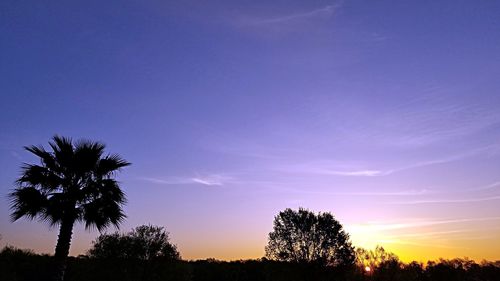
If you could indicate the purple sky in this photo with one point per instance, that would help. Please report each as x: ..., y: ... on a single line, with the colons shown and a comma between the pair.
x: 385, y: 113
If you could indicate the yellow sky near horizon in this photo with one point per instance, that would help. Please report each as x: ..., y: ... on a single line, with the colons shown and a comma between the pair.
x: 416, y: 240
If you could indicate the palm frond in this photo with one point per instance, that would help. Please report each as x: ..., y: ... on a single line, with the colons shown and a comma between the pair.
x: 107, y: 189
x: 112, y: 191
x: 46, y: 157
x: 27, y: 202
x: 63, y: 151
x: 37, y: 150
x: 110, y: 164
x: 87, y: 155
x: 56, y: 209
x: 101, y: 213
x: 74, y: 181
x: 34, y: 175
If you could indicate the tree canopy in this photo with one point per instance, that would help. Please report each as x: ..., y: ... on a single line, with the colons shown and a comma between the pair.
x: 303, y: 236
x: 144, y: 242
x: 374, y: 258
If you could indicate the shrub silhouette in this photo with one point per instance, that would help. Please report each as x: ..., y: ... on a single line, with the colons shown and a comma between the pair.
x: 145, y: 242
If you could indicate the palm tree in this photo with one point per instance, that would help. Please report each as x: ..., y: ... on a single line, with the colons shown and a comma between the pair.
x: 73, y: 183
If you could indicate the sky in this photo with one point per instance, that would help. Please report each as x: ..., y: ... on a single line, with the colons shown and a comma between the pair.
x: 384, y: 113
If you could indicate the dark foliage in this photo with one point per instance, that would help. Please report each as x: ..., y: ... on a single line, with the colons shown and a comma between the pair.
x: 17, y: 264
x: 375, y: 258
x: 21, y: 265
x: 146, y: 242
x: 304, y: 237
x: 74, y: 182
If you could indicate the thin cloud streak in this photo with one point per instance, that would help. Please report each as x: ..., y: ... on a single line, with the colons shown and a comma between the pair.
x: 441, y: 120
x: 457, y: 234
x: 404, y: 242
x: 400, y: 193
x: 212, y: 180
x: 325, y: 169
x: 486, y: 187
x: 169, y: 181
x: 360, y: 173
x: 369, y: 193
x: 424, y: 235
x: 452, y: 158
x: 208, y: 180
x: 328, y: 168
x: 439, y: 201
x: 393, y: 226
x: 445, y: 160
x: 327, y: 10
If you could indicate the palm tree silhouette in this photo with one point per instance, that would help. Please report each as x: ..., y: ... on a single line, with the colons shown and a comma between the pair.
x: 74, y: 183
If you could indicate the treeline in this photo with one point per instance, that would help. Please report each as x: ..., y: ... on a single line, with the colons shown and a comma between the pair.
x: 23, y: 265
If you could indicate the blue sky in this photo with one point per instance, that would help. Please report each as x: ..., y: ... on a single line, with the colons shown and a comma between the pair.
x: 384, y: 113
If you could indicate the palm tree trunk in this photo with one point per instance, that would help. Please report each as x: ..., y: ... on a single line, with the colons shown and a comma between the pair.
x: 62, y: 248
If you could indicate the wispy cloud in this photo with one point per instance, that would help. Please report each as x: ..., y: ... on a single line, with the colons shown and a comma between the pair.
x: 395, y: 193
x: 208, y: 180
x: 442, y: 201
x: 362, y: 173
x: 455, y: 234
x: 451, y: 158
x: 444, y: 160
x: 431, y: 116
x: 167, y: 181
x: 326, y: 167
x: 413, y: 243
x: 426, y: 234
x: 486, y: 187
x: 365, y: 193
x: 432, y: 121
x: 380, y: 226
x: 324, y: 11
x: 16, y: 155
x: 354, y: 173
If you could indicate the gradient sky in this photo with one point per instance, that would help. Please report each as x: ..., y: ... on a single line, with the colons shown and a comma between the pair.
x: 385, y: 113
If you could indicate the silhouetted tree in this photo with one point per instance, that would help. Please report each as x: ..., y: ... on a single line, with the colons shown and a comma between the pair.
x: 414, y: 271
x: 73, y: 183
x: 113, y: 245
x: 145, y: 242
x: 303, y: 236
x: 374, y: 258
